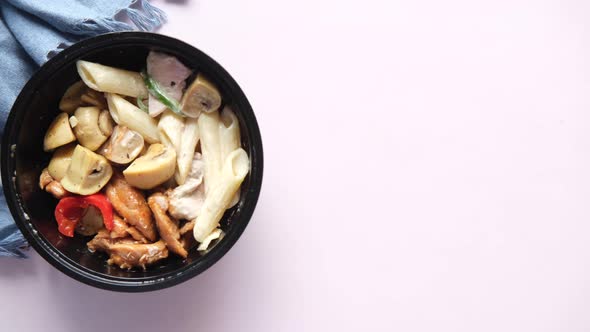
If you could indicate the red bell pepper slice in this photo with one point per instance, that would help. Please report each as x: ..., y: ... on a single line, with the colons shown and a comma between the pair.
x: 70, y: 210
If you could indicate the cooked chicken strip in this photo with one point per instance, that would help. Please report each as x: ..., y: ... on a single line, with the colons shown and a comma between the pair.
x: 128, y: 255
x: 187, y: 227
x: 52, y: 186
x: 126, y: 252
x: 121, y: 230
x: 136, y: 235
x: 131, y: 205
x: 167, y: 227
x: 188, y: 241
x: 101, y: 241
x: 44, y: 178
x: 186, y: 200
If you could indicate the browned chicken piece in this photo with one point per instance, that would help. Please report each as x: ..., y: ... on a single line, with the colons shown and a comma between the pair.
x: 45, y: 178
x: 128, y: 255
x: 187, y: 199
x: 188, y: 241
x: 49, y: 184
x: 131, y: 205
x: 187, y: 227
x: 167, y: 227
x: 136, y: 235
x: 126, y: 252
x: 101, y: 241
x: 121, y: 230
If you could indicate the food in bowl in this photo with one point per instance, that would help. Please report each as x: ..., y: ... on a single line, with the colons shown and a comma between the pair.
x: 145, y: 163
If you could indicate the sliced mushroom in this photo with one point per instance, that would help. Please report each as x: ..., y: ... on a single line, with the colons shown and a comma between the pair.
x: 71, y: 99
x: 105, y: 123
x: 87, y: 130
x: 93, y: 98
x: 59, y: 163
x: 88, y: 172
x: 59, y: 133
x: 153, y: 168
x: 123, y: 146
x: 201, y: 96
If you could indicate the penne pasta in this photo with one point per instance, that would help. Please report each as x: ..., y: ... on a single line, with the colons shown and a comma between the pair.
x: 183, y: 148
x: 182, y: 135
x: 188, y: 144
x: 217, y: 234
x: 210, y: 147
x: 235, y: 169
x: 113, y: 80
x: 126, y: 114
x: 229, y: 138
x: 170, y: 129
x: 229, y: 132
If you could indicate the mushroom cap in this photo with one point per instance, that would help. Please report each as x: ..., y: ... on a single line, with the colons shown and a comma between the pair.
x: 200, y: 96
x: 153, y: 168
x: 59, y: 133
x: 60, y: 161
x: 71, y: 98
x: 87, y: 129
x: 88, y: 172
x: 123, y: 146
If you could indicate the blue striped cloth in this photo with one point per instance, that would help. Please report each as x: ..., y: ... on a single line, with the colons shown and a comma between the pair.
x: 31, y: 32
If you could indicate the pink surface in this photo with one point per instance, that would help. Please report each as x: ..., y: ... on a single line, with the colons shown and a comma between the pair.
x: 426, y: 170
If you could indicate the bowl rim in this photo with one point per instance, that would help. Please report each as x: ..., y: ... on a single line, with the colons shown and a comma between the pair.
x: 52, y: 254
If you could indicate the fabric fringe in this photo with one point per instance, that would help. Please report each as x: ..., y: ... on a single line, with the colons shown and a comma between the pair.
x: 100, y: 26
x: 145, y: 17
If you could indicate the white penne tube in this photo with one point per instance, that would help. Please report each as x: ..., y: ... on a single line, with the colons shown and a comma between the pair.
x: 113, y: 80
x: 229, y: 132
x: 229, y: 137
x: 182, y: 135
x: 235, y: 169
x: 170, y: 129
x: 210, y: 147
x: 126, y: 114
x: 216, y: 234
x: 188, y: 144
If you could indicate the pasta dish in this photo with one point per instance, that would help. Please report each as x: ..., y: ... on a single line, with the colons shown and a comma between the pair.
x: 144, y: 164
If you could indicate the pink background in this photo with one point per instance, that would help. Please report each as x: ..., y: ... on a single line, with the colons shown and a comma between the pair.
x: 426, y: 169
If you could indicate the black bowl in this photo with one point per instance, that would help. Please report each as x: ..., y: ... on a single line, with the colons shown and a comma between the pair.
x: 22, y: 160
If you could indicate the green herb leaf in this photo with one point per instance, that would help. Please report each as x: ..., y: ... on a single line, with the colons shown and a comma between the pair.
x: 155, y: 90
x: 142, y: 106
